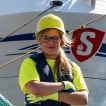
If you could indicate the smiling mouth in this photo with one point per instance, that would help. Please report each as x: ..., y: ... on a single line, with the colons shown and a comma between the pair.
x: 51, y: 47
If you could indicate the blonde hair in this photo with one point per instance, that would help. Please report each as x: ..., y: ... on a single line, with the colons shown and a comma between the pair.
x: 62, y: 61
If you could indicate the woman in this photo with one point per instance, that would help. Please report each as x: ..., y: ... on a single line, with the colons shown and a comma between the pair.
x: 49, y: 78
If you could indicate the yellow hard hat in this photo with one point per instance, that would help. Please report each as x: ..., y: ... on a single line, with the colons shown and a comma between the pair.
x: 50, y: 21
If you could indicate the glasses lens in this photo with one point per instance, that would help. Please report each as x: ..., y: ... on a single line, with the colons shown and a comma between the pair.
x: 55, y: 39
x: 45, y: 39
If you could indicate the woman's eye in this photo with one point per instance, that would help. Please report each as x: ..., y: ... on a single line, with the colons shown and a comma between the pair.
x: 46, y: 38
x: 56, y: 38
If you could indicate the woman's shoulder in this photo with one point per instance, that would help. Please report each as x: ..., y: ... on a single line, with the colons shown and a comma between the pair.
x: 74, y: 64
x: 75, y: 67
x: 28, y: 60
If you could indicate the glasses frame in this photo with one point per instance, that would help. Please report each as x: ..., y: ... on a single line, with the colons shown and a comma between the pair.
x: 47, y: 39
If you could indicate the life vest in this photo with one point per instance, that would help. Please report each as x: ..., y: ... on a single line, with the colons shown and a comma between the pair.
x: 46, y: 75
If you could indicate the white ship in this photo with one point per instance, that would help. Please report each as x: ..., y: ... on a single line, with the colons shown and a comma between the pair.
x: 85, y: 19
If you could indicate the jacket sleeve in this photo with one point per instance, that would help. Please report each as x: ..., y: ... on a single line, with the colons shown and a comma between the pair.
x: 27, y: 73
x: 78, y: 79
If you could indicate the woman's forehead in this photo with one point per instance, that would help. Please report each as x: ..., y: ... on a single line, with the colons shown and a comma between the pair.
x: 51, y: 31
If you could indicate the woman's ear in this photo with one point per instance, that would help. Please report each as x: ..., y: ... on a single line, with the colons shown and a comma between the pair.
x: 61, y: 43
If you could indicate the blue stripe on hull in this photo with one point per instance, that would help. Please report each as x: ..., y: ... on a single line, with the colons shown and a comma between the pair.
x: 102, y: 48
x: 22, y: 37
x: 100, y: 55
x: 102, y: 51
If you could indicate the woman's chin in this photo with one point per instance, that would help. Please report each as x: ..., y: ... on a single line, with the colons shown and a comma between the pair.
x: 51, y: 55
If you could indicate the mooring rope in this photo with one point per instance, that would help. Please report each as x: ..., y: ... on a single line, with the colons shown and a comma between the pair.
x: 20, y: 27
x: 86, y: 24
x: 19, y: 57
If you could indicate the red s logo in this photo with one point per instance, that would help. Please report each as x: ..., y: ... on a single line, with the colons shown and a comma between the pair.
x: 86, y: 43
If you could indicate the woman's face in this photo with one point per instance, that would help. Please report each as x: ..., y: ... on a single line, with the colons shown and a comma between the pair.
x: 50, y: 43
